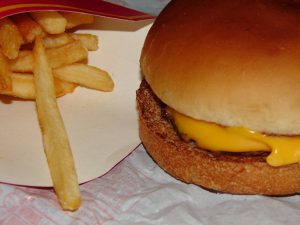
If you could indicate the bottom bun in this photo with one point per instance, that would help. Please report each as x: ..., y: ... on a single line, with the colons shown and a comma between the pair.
x: 222, y: 172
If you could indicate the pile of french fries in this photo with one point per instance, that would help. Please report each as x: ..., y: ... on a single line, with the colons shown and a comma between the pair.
x: 40, y: 59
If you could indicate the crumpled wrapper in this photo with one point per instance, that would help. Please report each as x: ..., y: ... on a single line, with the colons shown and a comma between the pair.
x: 137, y: 191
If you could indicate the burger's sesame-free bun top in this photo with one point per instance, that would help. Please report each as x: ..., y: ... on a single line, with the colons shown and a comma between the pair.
x: 234, y: 63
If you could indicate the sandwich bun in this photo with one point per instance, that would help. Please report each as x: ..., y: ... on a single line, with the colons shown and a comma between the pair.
x: 230, y: 63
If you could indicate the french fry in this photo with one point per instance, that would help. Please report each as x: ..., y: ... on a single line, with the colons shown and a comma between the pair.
x: 27, y: 27
x: 57, y: 40
x: 22, y: 64
x: 61, y: 56
x: 10, y: 38
x: 89, y: 41
x: 52, y: 22
x: 5, y: 74
x: 76, y: 19
x: 23, y: 53
x: 63, y: 87
x: 85, y: 75
x: 67, y: 54
x: 55, y: 139
x: 23, y: 87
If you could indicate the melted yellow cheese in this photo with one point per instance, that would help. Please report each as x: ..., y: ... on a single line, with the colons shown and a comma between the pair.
x: 284, y: 149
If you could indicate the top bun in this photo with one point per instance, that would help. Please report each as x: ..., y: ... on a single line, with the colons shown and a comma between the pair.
x: 234, y: 63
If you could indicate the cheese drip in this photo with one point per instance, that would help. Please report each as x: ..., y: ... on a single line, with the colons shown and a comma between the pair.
x: 283, y: 150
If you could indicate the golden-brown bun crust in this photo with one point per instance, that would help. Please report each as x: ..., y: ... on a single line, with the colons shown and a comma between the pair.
x: 235, y: 63
x: 238, y: 174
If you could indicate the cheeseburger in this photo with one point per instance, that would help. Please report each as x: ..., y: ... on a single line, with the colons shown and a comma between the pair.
x: 219, y: 104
